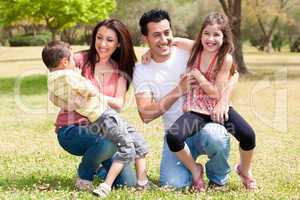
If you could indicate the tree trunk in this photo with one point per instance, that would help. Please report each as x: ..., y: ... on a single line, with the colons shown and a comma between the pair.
x: 55, y: 34
x: 239, y: 56
x: 233, y: 10
x: 268, y: 46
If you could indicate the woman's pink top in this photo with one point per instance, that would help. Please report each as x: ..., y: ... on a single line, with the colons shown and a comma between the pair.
x: 109, y: 89
x: 197, y: 100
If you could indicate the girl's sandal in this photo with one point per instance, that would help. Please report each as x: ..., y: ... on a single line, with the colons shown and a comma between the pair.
x: 248, y: 182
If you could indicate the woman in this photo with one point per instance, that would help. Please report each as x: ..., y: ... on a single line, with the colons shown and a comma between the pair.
x: 108, y: 64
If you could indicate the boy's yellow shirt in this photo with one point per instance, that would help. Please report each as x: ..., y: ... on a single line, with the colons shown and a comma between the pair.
x: 69, y: 84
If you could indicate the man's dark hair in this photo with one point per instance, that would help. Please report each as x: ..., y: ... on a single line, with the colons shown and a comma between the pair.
x: 54, y: 51
x: 154, y: 15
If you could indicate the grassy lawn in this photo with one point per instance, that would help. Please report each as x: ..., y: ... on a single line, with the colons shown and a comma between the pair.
x: 33, y: 166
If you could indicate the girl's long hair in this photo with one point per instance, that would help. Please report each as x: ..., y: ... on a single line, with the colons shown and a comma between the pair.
x: 227, y: 46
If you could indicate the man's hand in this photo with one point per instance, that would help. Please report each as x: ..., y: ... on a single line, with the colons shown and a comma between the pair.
x: 197, y: 75
x: 186, y: 83
x: 146, y: 57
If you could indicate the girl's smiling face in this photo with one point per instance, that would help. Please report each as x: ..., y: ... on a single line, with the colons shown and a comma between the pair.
x: 212, y: 38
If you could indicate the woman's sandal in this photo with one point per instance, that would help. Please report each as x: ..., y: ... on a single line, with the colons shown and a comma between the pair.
x: 248, y: 182
x: 198, y: 185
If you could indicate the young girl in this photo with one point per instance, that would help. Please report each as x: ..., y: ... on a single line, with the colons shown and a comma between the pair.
x: 211, y: 64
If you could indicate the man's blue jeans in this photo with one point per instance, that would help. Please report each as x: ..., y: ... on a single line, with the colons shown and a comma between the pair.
x: 213, y: 141
x: 95, y: 150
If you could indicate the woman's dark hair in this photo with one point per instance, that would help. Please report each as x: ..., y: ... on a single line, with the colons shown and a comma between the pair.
x: 227, y: 46
x: 124, y: 55
x: 153, y: 15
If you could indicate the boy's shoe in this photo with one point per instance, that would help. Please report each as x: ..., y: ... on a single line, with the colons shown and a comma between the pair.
x: 103, y: 190
x: 83, y: 185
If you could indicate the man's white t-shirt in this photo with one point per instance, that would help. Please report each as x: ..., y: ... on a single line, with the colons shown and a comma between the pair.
x: 160, y: 78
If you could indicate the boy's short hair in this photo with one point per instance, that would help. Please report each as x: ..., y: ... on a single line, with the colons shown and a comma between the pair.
x: 154, y: 15
x: 54, y: 51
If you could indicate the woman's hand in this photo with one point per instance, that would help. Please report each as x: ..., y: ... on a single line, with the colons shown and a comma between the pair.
x: 75, y: 102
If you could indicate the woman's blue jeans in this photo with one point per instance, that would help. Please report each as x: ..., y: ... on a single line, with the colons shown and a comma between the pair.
x: 95, y: 150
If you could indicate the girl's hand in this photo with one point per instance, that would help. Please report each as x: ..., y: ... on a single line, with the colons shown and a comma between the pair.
x: 220, y: 112
x: 146, y: 57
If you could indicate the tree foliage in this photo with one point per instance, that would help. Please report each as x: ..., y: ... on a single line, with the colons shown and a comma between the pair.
x: 185, y: 15
x: 267, y: 21
x: 57, y: 15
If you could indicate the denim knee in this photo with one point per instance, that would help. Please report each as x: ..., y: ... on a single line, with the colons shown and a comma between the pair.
x: 173, y: 173
x: 216, y: 140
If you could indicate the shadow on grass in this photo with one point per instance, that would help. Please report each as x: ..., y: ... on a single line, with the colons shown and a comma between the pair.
x: 30, y: 85
x: 33, y: 182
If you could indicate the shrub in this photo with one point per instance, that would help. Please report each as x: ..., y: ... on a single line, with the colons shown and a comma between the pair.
x: 278, y: 41
x: 30, y: 40
x: 295, y: 47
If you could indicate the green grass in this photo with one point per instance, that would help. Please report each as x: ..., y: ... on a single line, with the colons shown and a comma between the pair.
x: 34, y: 166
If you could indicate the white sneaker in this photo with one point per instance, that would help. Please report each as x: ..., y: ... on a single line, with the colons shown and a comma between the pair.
x: 102, y: 190
x: 84, y: 185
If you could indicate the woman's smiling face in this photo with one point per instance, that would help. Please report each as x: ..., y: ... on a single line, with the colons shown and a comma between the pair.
x: 106, y: 42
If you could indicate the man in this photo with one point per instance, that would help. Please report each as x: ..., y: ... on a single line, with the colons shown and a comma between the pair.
x: 159, y: 91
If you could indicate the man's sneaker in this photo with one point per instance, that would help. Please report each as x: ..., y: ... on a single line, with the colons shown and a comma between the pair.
x: 103, y: 190
x: 83, y: 185
x: 214, y: 186
x: 149, y: 185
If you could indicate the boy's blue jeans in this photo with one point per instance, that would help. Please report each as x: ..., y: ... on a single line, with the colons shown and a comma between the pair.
x: 95, y: 150
x: 213, y: 141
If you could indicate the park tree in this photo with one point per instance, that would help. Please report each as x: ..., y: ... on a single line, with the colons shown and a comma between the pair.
x: 130, y: 11
x: 57, y: 15
x: 233, y: 10
x: 293, y: 31
x: 267, y: 17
